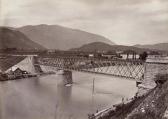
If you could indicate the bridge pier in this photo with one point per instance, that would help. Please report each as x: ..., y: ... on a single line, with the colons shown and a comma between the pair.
x: 67, y: 77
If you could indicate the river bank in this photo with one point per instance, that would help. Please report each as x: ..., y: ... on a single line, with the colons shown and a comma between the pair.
x: 153, y: 104
x: 6, y: 77
x: 121, y: 110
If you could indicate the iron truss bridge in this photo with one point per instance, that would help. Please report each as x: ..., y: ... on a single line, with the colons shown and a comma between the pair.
x: 132, y: 69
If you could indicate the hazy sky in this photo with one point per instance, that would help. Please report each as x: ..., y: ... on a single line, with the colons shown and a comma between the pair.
x: 125, y: 22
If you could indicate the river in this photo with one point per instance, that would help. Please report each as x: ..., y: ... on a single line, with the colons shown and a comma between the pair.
x: 46, y: 98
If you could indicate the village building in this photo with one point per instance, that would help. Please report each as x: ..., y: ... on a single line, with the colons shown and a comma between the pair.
x: 17, y: 73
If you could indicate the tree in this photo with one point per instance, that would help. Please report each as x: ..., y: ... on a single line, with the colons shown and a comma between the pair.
x: 143, y: 56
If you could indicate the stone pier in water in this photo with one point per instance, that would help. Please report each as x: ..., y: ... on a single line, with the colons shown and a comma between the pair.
x: 67, y: 77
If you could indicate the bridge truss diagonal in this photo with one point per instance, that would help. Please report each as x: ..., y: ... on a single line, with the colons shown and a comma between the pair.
x: 131, y: 69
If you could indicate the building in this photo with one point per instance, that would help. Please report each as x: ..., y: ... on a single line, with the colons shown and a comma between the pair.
x: 18, y: 73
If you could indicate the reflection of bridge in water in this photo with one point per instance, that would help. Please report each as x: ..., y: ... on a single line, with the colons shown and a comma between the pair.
x: 133, y: 69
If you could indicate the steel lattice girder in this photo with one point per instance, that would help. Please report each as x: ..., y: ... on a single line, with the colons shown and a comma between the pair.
x: 117, y: 67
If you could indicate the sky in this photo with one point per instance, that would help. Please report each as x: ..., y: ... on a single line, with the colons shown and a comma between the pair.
x: 125, y: 22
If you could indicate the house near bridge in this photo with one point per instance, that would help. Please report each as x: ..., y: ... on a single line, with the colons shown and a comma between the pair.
x: 17, y: 73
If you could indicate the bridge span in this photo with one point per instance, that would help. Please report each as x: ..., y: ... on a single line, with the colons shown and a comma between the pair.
x: 137, y: 70
x: 132, y: 69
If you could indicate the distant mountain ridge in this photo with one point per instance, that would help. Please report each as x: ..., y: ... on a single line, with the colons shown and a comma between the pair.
x: 62, y: 38
x: 10, y: 38
x: 159, y: 46
x: 99, y: 46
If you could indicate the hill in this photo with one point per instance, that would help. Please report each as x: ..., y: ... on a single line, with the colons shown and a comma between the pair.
x: 159, y: 46
x: 62, y: 38
x: 99, y: 46
x: 10, y: 38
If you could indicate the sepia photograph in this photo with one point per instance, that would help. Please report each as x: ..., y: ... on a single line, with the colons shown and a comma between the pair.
x: 83, y: 59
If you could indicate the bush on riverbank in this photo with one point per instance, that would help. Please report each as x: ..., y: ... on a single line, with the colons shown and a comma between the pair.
x: 3, y: 77
x: 161, y: 78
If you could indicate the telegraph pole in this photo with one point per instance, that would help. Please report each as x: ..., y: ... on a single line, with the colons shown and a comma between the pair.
x: 93, y: 86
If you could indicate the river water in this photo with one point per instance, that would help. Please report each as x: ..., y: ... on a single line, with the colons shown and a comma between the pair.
x: 46, y: 98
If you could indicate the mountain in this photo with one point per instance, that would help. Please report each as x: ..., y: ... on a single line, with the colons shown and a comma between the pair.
x: 99, y: 46
x: 10, y: 38
x: 62, y: 38
x: 159, y: 46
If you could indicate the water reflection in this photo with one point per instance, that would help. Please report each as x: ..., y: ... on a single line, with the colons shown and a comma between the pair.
x: 46, y: 97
